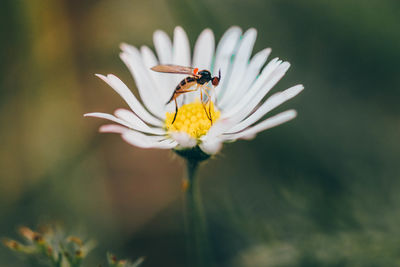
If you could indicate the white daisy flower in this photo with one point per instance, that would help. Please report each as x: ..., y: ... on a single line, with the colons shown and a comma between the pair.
x: 237, y: 103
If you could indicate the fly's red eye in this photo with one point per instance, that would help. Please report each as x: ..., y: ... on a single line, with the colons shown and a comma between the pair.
x: 215, y: 81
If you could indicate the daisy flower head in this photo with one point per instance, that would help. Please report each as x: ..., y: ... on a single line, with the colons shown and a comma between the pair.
x: 209, y: 114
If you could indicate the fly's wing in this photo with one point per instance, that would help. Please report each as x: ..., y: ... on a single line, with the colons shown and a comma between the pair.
x: 174, y: 69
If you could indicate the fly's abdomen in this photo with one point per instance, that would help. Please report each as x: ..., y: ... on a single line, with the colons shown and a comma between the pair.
x: 184, y: 85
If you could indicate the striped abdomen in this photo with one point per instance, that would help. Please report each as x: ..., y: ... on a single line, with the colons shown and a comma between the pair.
x: 181, y: 88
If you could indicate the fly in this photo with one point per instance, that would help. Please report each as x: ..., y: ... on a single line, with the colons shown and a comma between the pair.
x: 197, y: 78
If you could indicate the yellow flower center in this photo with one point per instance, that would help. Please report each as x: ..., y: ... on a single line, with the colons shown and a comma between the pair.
x: 192, y: 119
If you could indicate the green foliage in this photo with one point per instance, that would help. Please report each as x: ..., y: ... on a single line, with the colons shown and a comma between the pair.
x: 52, y: 247
x: 114, y: 262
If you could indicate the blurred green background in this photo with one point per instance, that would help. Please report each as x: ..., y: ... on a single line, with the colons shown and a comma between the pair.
x: 322, y: 190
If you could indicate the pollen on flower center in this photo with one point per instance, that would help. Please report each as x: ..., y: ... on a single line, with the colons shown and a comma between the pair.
x: 192, y: 119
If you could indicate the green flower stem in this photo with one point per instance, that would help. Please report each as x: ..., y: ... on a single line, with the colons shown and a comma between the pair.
x: 198, y: 254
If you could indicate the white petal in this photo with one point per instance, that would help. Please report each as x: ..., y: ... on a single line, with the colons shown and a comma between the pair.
x: 144, y: 141
x: 211, y: 143
x: 180, y: 55
x: 145, y: 85
x: 271, y: 103
x: 274, y: 79
x: 239, y: 66
x: 107, y: 117
x: 211, y: 146
x: 262, y: 78
x: 262, y: 126
x: 202, y: 57
x: 112, y: 128
x: 226, y: 47
x: 250, y: 100
x: 136, y: 123
x: 128, y: 119
x: 138, y: 139
x: 183, y: 139
x: 218, y: 128
x: 130, y: 99
x: 250, y: 76
x: 149, y: 61
x: 181, y: 48
x: 163, y: 46
x: 204, y: 50
x: 139, y: 64
x: 167, y: 144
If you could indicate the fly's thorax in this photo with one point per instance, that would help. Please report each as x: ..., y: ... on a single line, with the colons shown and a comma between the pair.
x: 204, y: 77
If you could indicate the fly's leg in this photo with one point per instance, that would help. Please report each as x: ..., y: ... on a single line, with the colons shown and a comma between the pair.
x: 209, y: 106
x: 176, y: 111
x: 176, y: 103
x: 215, y: 95
x: 204, y: 105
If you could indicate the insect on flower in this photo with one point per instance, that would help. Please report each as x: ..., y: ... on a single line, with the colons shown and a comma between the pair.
x: 239, y: 113
x: 197, y: 78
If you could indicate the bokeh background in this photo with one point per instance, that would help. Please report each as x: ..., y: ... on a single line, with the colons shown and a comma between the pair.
x: 322, y: 190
